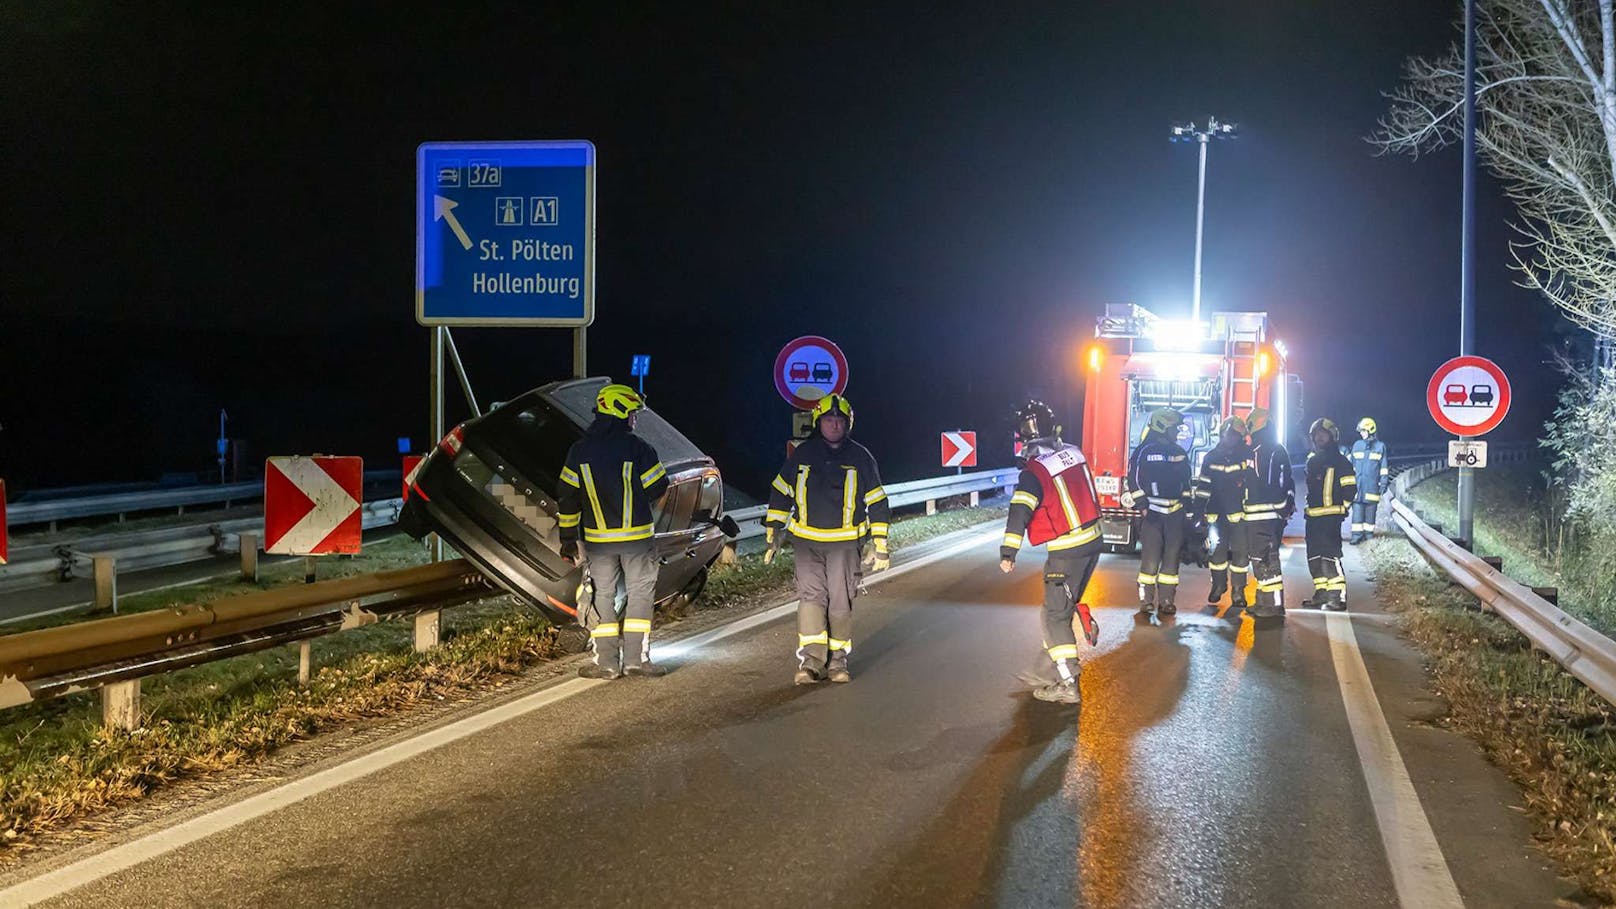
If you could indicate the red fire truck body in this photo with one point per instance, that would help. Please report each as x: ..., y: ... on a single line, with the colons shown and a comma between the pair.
x: 1139, y: 362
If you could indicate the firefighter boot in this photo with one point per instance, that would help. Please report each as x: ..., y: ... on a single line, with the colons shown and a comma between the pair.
x: 1147, y: 598
x: 1064, y: 692
x: 1237, y: 591
x: 1220, y: 586
x: 1164, y: 600
x: 836, y: 671
x: 806, y: 675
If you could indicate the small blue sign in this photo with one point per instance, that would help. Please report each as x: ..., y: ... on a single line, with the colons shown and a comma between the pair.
x: 505, y: 233
x: 404, y: 445
x: 642, y: 365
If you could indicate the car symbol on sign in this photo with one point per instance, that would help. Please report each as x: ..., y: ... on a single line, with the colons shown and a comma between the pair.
x: 822, y: 373
x: 1454, y: 395
x: 1481, y: 394
x: 799, y: 372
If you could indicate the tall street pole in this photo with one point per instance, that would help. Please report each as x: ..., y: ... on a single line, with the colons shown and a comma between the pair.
x: 1467, y: 258
x: 1200, y: 219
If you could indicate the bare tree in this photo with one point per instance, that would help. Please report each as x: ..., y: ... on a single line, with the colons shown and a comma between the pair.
x: 1546, y: 124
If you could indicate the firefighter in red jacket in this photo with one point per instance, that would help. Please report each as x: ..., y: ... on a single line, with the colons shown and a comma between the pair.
x: 1055, y: 503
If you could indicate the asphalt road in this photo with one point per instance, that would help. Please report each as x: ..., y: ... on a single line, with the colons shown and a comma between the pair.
x: 1212, y: 763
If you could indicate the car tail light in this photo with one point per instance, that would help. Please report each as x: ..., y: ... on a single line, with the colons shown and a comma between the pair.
x: 453, y: 442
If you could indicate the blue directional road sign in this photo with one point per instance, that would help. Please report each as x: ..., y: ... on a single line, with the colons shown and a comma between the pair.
x: 505, y: 233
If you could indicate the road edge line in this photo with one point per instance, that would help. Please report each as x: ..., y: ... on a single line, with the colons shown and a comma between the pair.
x: 1420, y: 872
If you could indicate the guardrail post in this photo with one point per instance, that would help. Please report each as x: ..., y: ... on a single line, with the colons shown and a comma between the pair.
x: 308, y: 569
x: 248, y: 544
x: 120, y: 705
x: 426, y: 630
x: 1552, y: 594
x: 106, y: 582
x: 976, y: 498
x: 931, y: 506
x: 305, y: 659
x: 1497, y: 562
x: 728, y: 555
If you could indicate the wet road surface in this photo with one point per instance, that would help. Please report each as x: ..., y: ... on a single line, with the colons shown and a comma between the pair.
x: 1211, y: 763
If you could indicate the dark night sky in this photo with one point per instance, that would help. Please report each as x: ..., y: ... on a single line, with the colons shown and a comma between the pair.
x: 213, y: 208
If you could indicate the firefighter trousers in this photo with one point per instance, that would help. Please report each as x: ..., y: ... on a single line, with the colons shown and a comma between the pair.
x: 1324, y: 558
x: 826, y: 582
x: 1263, y: 536
x: 1066, y: 576
x: 1161, y: 541
x: 1230, y: 557
x: 1363, y: 518
x: 622, y: 639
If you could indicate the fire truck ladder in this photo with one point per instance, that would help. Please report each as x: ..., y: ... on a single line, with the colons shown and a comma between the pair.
x: 1243, y: 352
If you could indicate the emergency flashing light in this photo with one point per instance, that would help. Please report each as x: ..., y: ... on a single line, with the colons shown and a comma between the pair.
x: 1096, y: 357
x: 1177, y: 335
x: 1264, y: 363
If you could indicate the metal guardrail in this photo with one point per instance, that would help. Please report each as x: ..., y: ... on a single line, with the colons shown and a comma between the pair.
x: 912, y: 492
x: 37, y: 665
x: 1578, y: 648
x: 24, y: 513
x: 43, y: 564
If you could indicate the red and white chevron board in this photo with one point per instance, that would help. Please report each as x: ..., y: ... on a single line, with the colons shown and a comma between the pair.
x: 311, y: 505
x: 959, y: 449
x: 3, y: 522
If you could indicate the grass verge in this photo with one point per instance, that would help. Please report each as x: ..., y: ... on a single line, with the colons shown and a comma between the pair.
x: 1551, y: 734
x: 57, y: 764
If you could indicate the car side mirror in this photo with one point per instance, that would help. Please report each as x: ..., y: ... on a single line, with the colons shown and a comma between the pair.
x: 729, y: 527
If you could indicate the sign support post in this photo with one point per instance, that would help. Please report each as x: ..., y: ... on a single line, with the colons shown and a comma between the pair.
x: 580, y: 352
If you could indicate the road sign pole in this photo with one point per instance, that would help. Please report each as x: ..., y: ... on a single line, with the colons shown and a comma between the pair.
x: 1467, y: 257
x: 435, y: 432
x: 580, y: 352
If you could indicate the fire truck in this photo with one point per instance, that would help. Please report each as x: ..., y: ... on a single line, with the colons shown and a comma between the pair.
x: 1208, y: 370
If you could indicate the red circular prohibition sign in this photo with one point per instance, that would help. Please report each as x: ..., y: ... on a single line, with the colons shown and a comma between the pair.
x: 1468, y: 396
x: 804, y: 390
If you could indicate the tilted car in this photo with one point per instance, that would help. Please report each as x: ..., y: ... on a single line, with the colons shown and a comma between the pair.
x: 489, y: 490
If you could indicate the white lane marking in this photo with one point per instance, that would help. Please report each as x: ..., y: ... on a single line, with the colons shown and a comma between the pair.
x: 1419, y: 871
x: 160, y: 842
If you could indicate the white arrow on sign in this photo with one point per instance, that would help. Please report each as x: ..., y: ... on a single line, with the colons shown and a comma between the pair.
x: 332, y: 506
x: 963, y: 445
x: 443, y: 210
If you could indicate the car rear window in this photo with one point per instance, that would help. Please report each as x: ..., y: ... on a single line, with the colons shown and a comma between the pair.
x: 578, y: 400
x: 535, y: 439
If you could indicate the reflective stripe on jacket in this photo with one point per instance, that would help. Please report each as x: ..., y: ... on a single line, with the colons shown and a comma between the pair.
x: 610, y: 479
x: 1369, y: 465
x: 1330, y: 483
x: 829, y: 494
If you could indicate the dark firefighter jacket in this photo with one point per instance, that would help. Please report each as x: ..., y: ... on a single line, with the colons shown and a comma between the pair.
x: 1369, y: 463
x: 608, y: 484
x: 1330, y: 483
x: 1220, y: 490
x: 829, y: 494
x: 1159, y: 474
x: 1270, y: 492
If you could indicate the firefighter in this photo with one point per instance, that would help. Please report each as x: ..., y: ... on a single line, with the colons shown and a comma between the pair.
x: 610, y: 479
x: 1369, y: 465
x: 1330, y: 487
x: 828, y: 497
x: 1159, y: 483
x: 1055, y: 503
x: 1220, y: 495
x: 1270, y: 502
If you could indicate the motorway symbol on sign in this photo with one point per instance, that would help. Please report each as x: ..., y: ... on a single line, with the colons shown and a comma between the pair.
x: 641, y: 365
x: 1467, y: 453
x: 3, y: 550
x: 808, y: 369
x: 959, y: 449
x: 311, y: 505
x: 511, y: 244
x: 1468, y: 396
x: 412, y: 466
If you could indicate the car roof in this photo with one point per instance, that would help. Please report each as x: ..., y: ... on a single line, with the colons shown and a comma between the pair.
x: 576, y: 399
